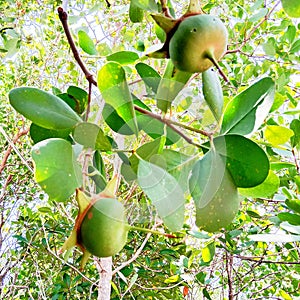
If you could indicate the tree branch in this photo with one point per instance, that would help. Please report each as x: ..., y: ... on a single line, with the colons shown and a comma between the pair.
x: 165, y: 8
x: 63, y: 16
x: 11, y: 147
x: 261, y: 259
x: 172, y: 125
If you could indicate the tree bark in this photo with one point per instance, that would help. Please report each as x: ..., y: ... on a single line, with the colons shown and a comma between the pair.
x: 104, y: 267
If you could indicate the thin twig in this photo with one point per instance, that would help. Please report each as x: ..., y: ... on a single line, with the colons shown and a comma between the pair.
x: 137, y: 253
x: 169, y: 124
x: 11, y: 147
x: 261, y: 260
x: 172, y: 125
x: 63, y: 16
x: 134, y: 257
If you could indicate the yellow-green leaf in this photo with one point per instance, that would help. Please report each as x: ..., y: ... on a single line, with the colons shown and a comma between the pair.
x: 278, y: 135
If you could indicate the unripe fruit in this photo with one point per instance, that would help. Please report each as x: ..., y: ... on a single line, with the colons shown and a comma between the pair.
x: 104, y: 228
x: 198, y: 43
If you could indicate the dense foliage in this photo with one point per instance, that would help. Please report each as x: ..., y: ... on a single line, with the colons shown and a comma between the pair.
x: 91, y: 135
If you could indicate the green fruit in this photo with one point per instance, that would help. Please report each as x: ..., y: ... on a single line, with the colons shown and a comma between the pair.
x: 104, y: 228
x: 214, y: 193
x: 198, y: 43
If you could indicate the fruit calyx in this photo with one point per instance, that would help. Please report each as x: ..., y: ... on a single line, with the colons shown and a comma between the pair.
x: 85, y: 204
x: 169, y: 25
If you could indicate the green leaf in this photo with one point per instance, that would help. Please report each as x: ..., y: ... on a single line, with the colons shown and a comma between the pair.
x: 98, y: 163
x: 278, y: 135
x: 214, y: 193
x: 123, y: 57
x: 148, y: 152
x: 291, y: 7
x: 91, y: 136
x: 149, y: 5
x: 178, y: 165
x: 263, y: 190
x: 295, y: 126
x: 155, y: 129
x: 113, y: 86
x: 86, y: 43
x: 164, y: 192
x: 56, y: 169
x: 293, y: 219
x: 247, y: 111
x: 295, y: 47
x: 42, y: 108
x: 38, y: 133
x: 293, y: 204
x: 247, y: 163
x: 253, y: 214
x: 80, y: 97
x: 150, y: 77
x: 170, y: 85
x: 172, y: 279
x: 276, y: 166
x: 98, y: 178
x: 208, y: 252
x: 136, y: 14
x: 212, y: 91
x: 114, y: 121
x: 290, y: 228
x: 276, y: 238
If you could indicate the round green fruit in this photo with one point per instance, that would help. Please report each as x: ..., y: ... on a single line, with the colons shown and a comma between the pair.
x: 198, y: 43
x: 222, y: 207
x: 104, y: 228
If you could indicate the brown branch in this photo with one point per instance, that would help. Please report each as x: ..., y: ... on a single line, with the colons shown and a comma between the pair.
x: 229, y: 261
x: 172, y: 125
x: 248, y: 37
x: 261, y: 259
x: 11, y: 147
x: 296, y: 161
x: 63, y: 16
x: 168, y: 123
x: 165, y: 8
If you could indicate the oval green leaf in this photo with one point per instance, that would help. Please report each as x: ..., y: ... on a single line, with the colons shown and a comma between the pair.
x: 136, y: 14
x: 265, y: 189
x: 123, y: 57
x: 86, y: 43
x: 38, y: 133
x: 164, y: 192
x: 113, y: 86
x: 56, y: 168
x: 170, y: 85
x: 212, y: 91
x: 150, y: 77
x: 43, y: 109
x: 247, y: 163
x: 214, y: 193
x: 91, y: 136
x: 278, y: 135
x: 248, y: 110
